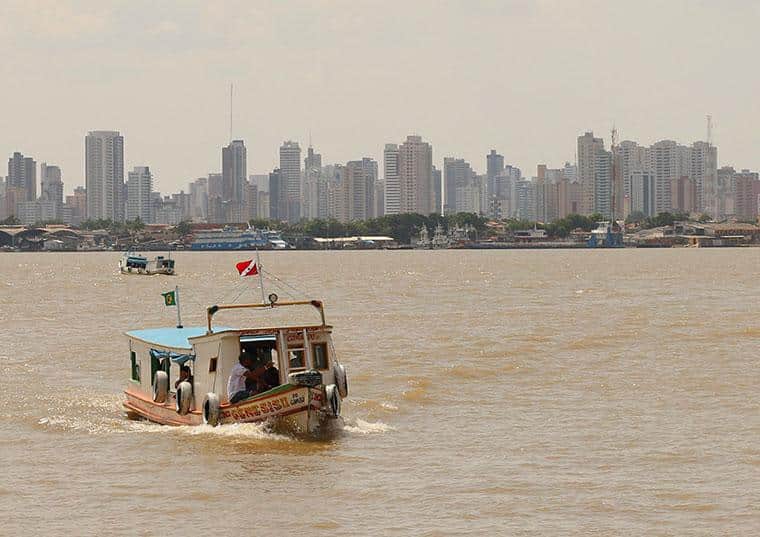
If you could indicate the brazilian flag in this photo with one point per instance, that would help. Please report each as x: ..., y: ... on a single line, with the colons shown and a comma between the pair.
x: 169, y: 298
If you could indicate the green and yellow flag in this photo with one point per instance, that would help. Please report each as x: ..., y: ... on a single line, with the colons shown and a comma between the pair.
x: 169, y: 298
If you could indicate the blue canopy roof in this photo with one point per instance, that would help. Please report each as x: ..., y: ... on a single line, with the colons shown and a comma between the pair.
x: 176, y: 338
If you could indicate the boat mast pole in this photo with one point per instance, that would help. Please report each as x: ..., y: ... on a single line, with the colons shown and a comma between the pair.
x: 261, y: 276
x: 176, y: 297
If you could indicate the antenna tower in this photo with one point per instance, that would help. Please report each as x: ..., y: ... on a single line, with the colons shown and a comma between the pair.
x: 230, y: 112
x: 613, y: 150
x: 709, y: 129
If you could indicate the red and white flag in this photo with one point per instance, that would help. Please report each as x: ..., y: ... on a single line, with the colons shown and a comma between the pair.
x: 247, y: 268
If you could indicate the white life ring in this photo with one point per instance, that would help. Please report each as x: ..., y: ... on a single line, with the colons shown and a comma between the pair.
x: 160, y: 386
x: 184, y: 397
x: 211, y: 409
x: 333, y: 399
x: 341, y: 381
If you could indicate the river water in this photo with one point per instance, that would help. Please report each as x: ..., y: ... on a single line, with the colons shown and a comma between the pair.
x: 492, y: 393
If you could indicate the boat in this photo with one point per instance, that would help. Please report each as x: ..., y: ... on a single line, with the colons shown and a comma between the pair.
x: 306, y: 400
x: 131, y: 263
x: 440, y: 239
x: 423, y: 239
x: 230, y: 238
x: 606, y: 235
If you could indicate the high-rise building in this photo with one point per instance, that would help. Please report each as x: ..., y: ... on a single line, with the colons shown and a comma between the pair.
x: 77, y: 205
x: 139, y: 188
x: 471, y: 195
x: 51, y: 183
x: 642, y: 192
x: 526, y: 200
x: 357, y: 193
x: 278, y: 201
x: 683, y: 194
x: 234, y: 171
x: 457, y: 174
x: 595, y: 181
x: 726, y: 191
x: 415, y: 164
x: 104, y: 175
x: 747, y: 190
x: 290, y: 169
x: 251, y: 201
x: 312, y: 172
x: 437, y: 190
x: 22, y: 174
x: 494, y: 168
x: 199, y: 199
x: 703, y: 170
x: 391, y: 179
x: 668, y: 163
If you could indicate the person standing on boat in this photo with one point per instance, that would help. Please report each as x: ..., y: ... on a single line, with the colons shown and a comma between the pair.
x: 241, y: 371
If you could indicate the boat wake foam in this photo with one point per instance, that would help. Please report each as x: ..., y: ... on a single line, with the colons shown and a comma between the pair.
x: 359, y: 426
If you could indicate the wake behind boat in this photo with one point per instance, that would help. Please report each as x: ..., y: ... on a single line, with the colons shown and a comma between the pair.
x: 132, y: 263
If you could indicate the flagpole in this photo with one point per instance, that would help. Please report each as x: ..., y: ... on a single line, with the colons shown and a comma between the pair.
x: 261, y: 276
x: 176, y: 298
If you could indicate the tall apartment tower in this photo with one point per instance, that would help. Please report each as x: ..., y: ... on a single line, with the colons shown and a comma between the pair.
x: 391, y: 179
x: 415, y: 165
x: 234, y: 171
x: 357, y: 195
x: 704, y: 172
x: 139, y: 187
x: 457, y: 174
x: 589, y: 153
x: 104, y: 175
x: 494, y: 168
x: 312, y: 178
x: 668, y: 161
x: 437, y: 191
x: 290, y: 169
x: 22, y: 174
x: 277, y: 196
x: 199, y: 198
x: 51, y: 183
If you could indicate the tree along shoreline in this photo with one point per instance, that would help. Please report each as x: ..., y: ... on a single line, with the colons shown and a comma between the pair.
x: 401, y: 227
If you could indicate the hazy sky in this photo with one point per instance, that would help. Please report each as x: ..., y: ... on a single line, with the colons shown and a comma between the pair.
x: 525, y: 78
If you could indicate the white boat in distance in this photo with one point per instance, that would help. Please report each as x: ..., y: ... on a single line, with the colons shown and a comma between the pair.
x: 131, y: 263
x: 309, y: 381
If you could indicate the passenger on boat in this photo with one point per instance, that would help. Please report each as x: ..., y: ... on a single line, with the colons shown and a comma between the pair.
x: 184, y: 375
x: 270, y: 378
x: 241, y: 372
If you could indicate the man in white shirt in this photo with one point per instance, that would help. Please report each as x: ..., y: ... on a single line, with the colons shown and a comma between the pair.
x: 240, y: 372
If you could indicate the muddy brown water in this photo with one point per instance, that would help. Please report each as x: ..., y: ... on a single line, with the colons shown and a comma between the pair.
x: 491, y: 393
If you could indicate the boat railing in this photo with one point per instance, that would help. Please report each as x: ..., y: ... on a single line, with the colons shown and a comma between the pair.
x: 212, y: 310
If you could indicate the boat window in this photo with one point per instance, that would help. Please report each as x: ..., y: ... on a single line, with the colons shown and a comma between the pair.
x: 135, y: 366
x: 296, y: 359
x: 319, y: 352
x: 260, y: 347
x: 212, y: 364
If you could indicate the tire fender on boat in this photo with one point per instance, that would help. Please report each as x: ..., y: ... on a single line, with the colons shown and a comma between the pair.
x: 184, y: 397
x: 341, y: 381
x: 160, y: 386
x: 333, y: 398
x: 211, y: 409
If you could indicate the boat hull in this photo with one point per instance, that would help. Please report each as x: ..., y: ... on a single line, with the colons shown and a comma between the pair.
x: 147, y: 272
x: 297, y: 409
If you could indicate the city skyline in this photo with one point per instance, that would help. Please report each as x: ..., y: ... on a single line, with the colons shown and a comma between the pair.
x: 526, y: 80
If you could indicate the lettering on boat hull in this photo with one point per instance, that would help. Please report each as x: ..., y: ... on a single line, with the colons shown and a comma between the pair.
x: 300, y: 405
